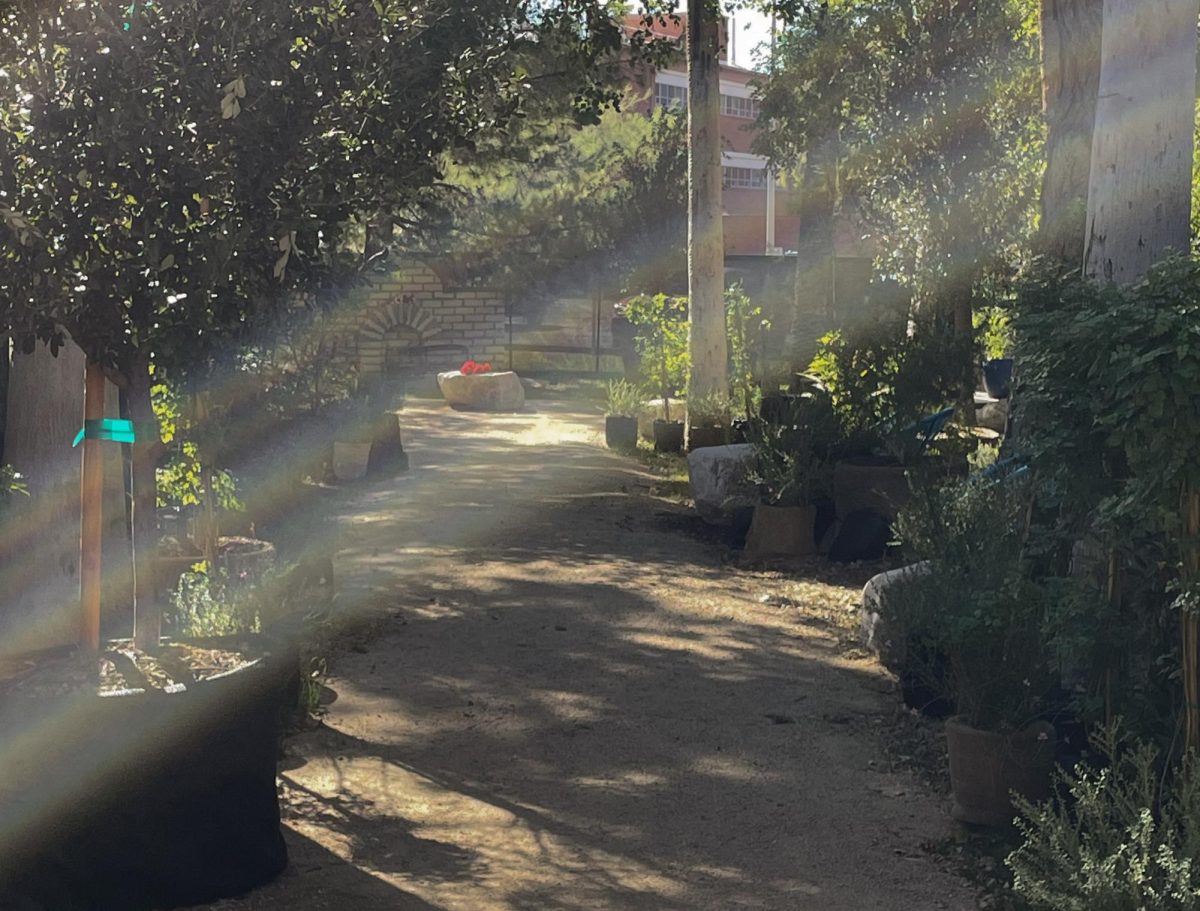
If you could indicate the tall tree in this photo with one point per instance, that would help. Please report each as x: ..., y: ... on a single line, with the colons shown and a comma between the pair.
x: 1139, y: 198
x: 171, y: 173
x: 707, y: 343
x: 932, y: 108
x: 1070, y: 42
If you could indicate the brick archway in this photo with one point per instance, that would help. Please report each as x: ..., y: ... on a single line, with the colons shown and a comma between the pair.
x: 404, y: 311
x: 402, y: 322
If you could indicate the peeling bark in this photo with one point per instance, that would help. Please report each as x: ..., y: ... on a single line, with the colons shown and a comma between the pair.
x: 1070, y: 31
x: 1139, y: 191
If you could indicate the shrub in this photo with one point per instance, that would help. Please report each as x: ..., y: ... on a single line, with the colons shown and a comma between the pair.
x: 622, y: 398
x: 713, y: 410
x: 746, y: 329
x: 207, y: 604
x: 790, y: 467
x: 885, y: 376
x: 1120, y: 837
x: 662, y: 342
x: 975, y: 621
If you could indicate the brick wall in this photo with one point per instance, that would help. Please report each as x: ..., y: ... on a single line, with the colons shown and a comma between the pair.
x: 414, y: 302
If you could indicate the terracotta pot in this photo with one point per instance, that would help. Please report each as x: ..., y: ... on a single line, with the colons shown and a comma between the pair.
x: 668, y: 436
x: 620, y: 432
x: 700, y: 437
x: 986, y: 767
x: 781, y: 531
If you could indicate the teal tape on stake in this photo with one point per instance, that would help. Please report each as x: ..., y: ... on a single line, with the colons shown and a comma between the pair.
x: 106, y: 429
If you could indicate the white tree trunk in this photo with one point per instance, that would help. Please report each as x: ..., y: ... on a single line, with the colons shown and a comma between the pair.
x: 706, y: 241
x: 1139, y: 191
x: 1071, y: 31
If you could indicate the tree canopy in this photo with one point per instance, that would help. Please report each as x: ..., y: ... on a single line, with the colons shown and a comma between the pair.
x: 927, y: 114
x: 171, y: 172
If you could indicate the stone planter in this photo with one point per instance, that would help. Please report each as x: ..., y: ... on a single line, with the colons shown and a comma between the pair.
x: 781, y: 531
x: 985, y: 767
x: 719, y: 478
x: 668, y: 436
x: 500, y: 391
x: 141, y: 799
x: 870, y: 484
x: 621, y: 432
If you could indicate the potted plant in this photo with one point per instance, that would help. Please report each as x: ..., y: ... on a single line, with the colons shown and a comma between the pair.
x: 791, y: 471
x: 354, y: 433
x: 975, y: 630
x: 662, y: 344
x: 888, y: 387
x: 995, y: 338
x: 710, y: 418
x: 621, y: 406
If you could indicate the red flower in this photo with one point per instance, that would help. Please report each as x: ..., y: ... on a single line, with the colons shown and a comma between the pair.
x: 470, y: 367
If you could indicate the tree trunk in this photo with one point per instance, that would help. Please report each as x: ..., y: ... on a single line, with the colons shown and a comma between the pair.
x: 813, y: 312
x: 91, y: 537
x: 147, y: 610
x: 706, y: 242
x: 1070, y: 82
x: 1139, y: 191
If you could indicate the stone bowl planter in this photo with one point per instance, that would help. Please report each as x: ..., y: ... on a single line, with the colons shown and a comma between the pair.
x: 143, y: 798
x: 497, y: 391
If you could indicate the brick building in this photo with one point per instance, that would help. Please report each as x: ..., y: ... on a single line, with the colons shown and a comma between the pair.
x: 760, y: 215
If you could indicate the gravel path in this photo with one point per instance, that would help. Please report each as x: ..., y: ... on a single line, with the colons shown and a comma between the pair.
x: 569, y: 704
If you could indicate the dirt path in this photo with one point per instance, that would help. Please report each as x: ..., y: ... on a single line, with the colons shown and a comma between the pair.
x: 567, y: 708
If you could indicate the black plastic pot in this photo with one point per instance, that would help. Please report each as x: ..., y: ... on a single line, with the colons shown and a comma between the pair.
x: 143, y: 798
x: 620, y: 432
x: 701, y: 437
x: 997, y: 377
x: 668, y: 436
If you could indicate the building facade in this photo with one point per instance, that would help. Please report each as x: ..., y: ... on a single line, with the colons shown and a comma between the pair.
x: 759, y: 212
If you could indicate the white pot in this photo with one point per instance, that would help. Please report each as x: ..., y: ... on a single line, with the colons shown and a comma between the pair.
x: 350, y: 460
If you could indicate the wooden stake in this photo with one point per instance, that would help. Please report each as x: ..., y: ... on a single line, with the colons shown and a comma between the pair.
x: 91, y: 567
x: 1191, y: 625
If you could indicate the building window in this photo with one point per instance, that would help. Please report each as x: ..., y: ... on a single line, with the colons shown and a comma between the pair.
x: 670, y: 97
x: 744, y: 178
x: 735, y: 106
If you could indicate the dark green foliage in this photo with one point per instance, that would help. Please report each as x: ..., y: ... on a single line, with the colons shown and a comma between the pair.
x: 171, y: 172
x: 1119, y: 835
x: 975, y: 620
x: 922, y: 117
x: 662, y: 342
x: 884, y: 376
x: 1109, y: 416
